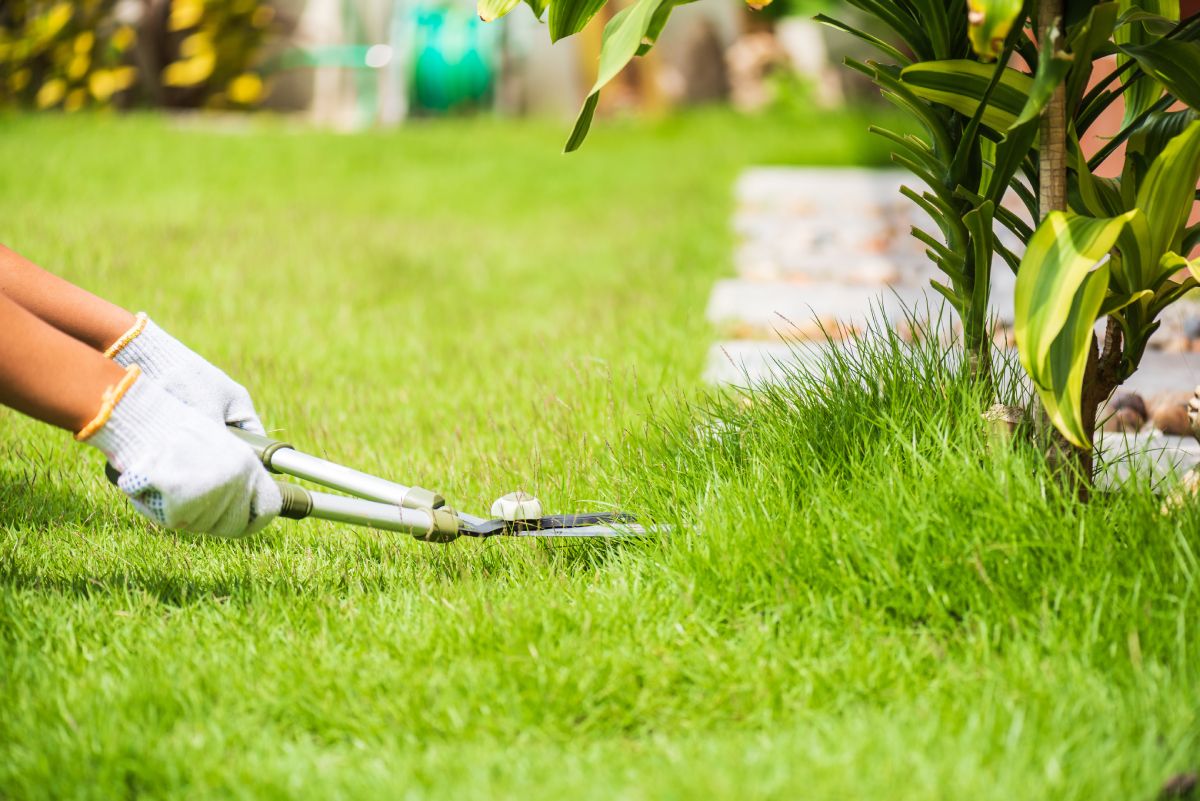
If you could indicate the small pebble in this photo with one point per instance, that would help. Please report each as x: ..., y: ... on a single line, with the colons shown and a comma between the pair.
x: 1125, y: 412
x: 1169, y: 413
x: 1177, y: 344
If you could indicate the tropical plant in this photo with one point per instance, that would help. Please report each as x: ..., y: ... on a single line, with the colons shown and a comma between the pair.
x: 1003, y: 99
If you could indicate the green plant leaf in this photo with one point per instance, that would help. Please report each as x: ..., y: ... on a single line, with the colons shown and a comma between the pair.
x: 1168, y: 191
x: 490, y: 10
x: 1050, y: 73
x: 900, y: 19
x: 989, y: 24
x: 583, y: 123
x: 1100, y: 197
x: 1117, y: 301
x: 1068, y: 357
x: 1083, y: 40
x: 622, y: 37
x: 1174, y: 63
x: 1059, y: 292
x: 1134, y: 264
x: 1145, y: 144
x: 538, y: 7
x: 960, y: 84
x: 880, y: 45
x: 657, y: 23
x: 568, y: 17
x: 1142, y: 91
x: 1194, y: 267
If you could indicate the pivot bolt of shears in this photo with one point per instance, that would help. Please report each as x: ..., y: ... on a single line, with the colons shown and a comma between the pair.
x: 517, y: 506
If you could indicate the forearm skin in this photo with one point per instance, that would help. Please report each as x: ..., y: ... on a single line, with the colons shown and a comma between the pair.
x: 74, y: 311
x: 47, y: 373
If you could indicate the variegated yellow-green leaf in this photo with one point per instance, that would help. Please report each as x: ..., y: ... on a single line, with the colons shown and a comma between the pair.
x: 489, y: 10
x: 989, y: 24
x: 1193, y: 266
x: 1059, y: 292
x: 1167, y: 193
x: 961, y: 84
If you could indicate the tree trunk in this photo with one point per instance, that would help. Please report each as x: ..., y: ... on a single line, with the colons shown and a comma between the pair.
x: 1052, y: 155
x: 1074, y: 464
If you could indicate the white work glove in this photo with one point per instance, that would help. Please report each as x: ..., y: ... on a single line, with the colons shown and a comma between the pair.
x: 186, y: 375
x: 179, y: 468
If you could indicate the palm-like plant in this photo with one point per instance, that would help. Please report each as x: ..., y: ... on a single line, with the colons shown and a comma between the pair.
x: 1003, y: 99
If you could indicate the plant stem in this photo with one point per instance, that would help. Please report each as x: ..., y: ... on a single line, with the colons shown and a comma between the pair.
x: 1052, y: 156
x: 1074, y: 464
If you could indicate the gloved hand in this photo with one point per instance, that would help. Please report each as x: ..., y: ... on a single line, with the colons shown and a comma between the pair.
x: 185, y: 375
x: 180, y: 468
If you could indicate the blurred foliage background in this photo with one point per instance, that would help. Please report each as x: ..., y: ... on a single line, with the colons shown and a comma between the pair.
x: 178, y: 53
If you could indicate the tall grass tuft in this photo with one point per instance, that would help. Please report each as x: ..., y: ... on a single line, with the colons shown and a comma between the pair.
x: 867, y: 487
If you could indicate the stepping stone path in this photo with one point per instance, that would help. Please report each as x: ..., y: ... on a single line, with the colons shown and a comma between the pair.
x: 826, y: 251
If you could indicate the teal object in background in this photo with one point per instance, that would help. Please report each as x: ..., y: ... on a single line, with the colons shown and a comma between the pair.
x: 454, y: 60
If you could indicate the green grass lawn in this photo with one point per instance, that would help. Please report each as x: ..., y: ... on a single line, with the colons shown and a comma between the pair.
x: 861, y: 598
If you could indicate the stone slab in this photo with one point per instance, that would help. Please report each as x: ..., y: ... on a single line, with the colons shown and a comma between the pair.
x: 814, y: 190
x: 767, y: 306
x: 833, y: 224
x: 743, y: 363
x: 748, y: 362
x: 1157, y: 456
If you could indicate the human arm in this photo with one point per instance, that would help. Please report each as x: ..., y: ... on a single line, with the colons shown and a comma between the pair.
x: 48, y: 374
x: 71, y: 309
x: 127, y: 339
x: 180, y: 468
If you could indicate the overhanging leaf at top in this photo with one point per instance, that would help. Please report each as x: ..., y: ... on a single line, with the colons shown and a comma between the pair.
x: 568, y: 17
x: 622, y: 38
x: 490, y: 10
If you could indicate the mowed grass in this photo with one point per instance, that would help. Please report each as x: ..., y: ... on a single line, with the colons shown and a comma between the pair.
x: 860, y: 598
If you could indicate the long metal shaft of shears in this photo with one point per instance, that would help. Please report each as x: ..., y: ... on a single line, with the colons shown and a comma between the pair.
x: 384, y: 504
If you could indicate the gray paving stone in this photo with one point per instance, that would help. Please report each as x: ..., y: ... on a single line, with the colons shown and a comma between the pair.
x: 741, y: 361
x: 1149, y: 454
x: 804, y: 225
x: 770, y: 306
x: 815, y: 189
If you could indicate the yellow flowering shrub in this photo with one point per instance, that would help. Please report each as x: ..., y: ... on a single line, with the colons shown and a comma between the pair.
x: 64, y: 55
x: 60, y: 54
x: 216, y: 48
